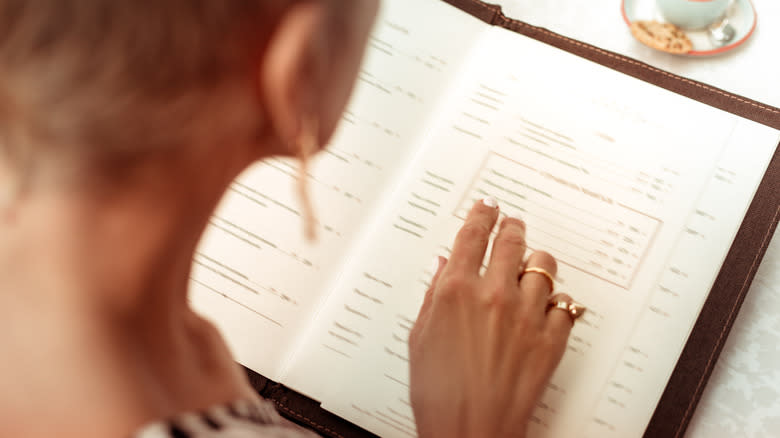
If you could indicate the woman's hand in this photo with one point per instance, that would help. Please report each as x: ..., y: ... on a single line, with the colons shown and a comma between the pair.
x: 484, y: 347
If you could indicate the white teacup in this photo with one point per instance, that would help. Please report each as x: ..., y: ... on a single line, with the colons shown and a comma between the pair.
x: 693, y: 14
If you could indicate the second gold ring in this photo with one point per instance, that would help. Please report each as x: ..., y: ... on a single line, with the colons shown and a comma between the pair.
x: 543, y: 273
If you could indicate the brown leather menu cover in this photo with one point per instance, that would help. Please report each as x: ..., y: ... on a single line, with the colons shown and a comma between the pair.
x: 684, y: 389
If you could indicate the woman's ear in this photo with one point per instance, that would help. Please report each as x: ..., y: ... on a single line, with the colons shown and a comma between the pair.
x: 292, y: 72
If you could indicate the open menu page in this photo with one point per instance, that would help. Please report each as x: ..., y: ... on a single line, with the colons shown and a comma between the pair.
x: 254, y: 274
x: 637, y: 192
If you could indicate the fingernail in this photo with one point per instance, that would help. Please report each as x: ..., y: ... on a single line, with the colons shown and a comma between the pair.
x: 490, y: 202
x: 435, y: 265
x: 514, y: 217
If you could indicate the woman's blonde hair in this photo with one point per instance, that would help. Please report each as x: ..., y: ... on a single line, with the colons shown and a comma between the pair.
x: 111, y: 81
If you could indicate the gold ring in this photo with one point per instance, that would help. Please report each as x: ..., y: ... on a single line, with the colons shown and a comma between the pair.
x: 543, y: 272
x: 575, y: 310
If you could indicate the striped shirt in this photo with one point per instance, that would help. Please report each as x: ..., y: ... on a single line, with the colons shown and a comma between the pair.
x: 243, y: 419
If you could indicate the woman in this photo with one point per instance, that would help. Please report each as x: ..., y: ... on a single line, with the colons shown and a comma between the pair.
x: 121, y: 126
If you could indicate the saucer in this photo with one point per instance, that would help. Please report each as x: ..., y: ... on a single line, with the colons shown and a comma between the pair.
x: 741, y: 14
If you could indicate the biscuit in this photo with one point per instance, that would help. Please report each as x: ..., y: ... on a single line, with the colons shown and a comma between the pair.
x: 662, y: 36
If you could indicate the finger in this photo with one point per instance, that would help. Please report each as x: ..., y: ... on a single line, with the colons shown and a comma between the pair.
x: 559, y: 323
x: 508, y: 251
x: 535, y: 288
x: 438, y: 267
x: 468, y: 252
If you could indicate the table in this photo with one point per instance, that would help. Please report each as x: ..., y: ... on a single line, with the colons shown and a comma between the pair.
x: 742, y: 398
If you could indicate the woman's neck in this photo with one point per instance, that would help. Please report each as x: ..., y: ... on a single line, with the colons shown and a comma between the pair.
x: 93, y: 296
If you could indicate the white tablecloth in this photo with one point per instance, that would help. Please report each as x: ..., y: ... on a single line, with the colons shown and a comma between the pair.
x: 742, y: 398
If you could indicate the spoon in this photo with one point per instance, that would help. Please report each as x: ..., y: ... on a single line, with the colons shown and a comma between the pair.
x: 722, y: 32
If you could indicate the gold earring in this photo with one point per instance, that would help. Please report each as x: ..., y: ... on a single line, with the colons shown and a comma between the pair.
x: 12, y: 179
x: 307, y: 145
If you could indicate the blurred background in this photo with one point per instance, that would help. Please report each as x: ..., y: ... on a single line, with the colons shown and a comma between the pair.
x: 751, y: 70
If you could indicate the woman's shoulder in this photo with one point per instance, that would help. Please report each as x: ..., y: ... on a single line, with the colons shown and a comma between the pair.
x: 242, y: 419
